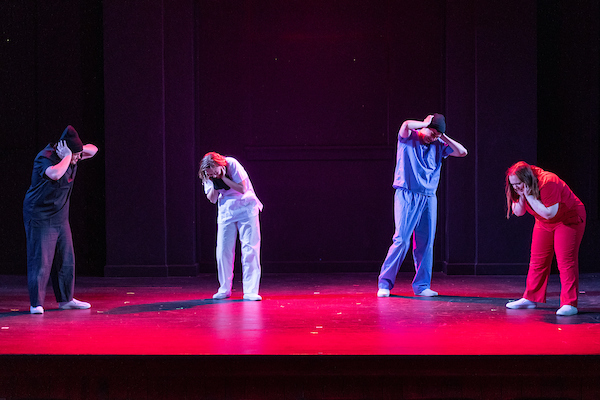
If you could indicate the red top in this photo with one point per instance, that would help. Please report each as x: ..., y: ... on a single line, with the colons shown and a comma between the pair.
x: 554, y: 190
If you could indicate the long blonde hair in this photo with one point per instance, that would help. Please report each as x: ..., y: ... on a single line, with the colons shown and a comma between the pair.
x: 210, y: 160
x: 525, y: 173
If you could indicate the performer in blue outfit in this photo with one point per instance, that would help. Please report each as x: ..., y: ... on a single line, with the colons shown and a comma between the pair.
x: 46, y: 218
x: 422, y: 145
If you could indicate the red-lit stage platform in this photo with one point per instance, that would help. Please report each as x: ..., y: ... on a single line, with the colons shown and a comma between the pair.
x: 314, y: 336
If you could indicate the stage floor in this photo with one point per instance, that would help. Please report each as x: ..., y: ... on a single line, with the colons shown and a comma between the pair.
x: 301, y: 314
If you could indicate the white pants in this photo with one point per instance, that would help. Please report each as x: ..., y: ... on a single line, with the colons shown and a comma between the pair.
x: 227, y: 232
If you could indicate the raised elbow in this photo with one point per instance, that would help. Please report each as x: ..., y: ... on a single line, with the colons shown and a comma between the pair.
x: 89, y: 151
x: 92, y: 151
x: 463, y: 152
x: 459, y: 151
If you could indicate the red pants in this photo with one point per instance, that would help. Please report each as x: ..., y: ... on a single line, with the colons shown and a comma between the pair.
x: 564, y: 240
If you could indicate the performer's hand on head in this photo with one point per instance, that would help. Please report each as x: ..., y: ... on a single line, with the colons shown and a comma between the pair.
x: 427, y: 120
x: 62, y: 150
x: 215, y: 172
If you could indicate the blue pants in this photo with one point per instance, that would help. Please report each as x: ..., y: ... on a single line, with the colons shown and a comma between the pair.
x: 414, y: 214
x: 49, y: 254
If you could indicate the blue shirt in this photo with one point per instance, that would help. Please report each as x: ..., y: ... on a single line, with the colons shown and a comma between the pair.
x: 418, y: 164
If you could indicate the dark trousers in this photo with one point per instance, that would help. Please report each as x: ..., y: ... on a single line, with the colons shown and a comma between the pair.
x: 49, y: 254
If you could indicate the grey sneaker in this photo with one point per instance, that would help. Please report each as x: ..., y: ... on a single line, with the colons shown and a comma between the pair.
x: 521, y: 303
x: 427, y: 293
x: 36, y: 310
x: 220, y: 296
x: 74, y: 305
x: 567, y: 310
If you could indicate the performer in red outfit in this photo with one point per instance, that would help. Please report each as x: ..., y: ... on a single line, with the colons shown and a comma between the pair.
x: 559, y: 225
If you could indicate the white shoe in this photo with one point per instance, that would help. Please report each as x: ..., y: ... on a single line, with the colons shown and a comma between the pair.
x: 427, y: 293
x: 36, y: 310
x: 252, y: 296
x: 74, y: 305
x: 567, y: 310
x: 220, y: 296
x: 383, y: 293
x: 521, y: 303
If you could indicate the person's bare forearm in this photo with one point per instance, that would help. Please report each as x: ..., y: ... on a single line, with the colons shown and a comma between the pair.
x: 57, y: 171
x: 458, y: 150
x: 410, y: 124
x: 239, y: 187
x: 212, y: 195
x: 518, y: 207
x: 89, y: 151
x: 540, y: 209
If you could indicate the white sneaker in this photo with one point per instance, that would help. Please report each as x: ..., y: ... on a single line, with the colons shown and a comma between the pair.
x: 427, y: 293
x: 521, y: 303
x: 220, y: 296
x: 74, y: 305
x: 252, y: 296
x: 567, y: 310
x: 383, y: 293
x: 36, y: 310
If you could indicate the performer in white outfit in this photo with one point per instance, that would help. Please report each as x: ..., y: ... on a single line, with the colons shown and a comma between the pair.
x: 226, y: 181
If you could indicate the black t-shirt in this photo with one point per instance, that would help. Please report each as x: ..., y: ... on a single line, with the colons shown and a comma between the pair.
x: 46, y: 198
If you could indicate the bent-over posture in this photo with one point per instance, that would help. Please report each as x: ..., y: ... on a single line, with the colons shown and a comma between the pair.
x: 46, y: 217
x: 559, y: 225
x: 227, y: 183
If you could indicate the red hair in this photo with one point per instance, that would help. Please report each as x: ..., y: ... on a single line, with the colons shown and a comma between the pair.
x: 526, y: 174
x: 210, y: 160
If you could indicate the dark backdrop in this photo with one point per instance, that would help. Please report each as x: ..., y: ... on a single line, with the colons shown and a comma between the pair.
x: 51, y: 75
x: 308, y: 95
